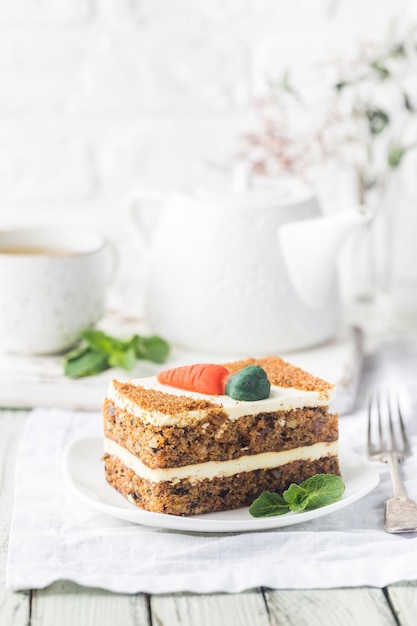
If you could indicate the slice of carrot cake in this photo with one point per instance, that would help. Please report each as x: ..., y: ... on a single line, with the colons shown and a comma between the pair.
x: 211, y: 437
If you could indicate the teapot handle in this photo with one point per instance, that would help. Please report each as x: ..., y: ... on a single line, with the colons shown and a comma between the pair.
x: 139, y: 215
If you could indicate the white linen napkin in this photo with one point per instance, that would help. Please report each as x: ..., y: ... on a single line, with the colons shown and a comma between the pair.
x: 54, y: 535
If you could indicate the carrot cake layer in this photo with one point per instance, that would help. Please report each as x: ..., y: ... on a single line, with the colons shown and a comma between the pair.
x: 185, y: 497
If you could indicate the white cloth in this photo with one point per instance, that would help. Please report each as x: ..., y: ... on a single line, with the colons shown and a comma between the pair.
x: 54, y: 535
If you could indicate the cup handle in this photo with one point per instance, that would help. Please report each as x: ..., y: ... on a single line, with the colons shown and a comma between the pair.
x: 138, y: 216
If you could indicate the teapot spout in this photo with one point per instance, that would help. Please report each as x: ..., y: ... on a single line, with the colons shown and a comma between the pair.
x: 310, y: 249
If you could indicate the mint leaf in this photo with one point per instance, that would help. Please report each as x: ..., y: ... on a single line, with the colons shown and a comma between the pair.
x: 296, y: 497
x: 99, y: 340
x: 100, y: 351
x: 268, y: 504
x: 84, y: 362
x: 317, y: 491
x: 323, y: 489
x: 152, y: 348
x: 125, y: 359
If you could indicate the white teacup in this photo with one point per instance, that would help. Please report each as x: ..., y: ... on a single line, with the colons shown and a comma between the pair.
x: 53, y: 285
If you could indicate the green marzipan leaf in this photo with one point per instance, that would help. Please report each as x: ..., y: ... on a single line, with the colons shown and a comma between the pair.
x: 248, y: 384
x: 268, y: 504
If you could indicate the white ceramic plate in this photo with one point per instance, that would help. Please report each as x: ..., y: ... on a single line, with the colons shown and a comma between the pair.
x: 85, y: 474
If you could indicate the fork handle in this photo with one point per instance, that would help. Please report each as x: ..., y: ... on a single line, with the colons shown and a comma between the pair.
x: 400, y: 515
x: 394, y: 469
x: 400, y: 512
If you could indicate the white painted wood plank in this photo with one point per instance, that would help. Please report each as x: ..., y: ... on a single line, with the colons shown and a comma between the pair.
x: 328, y: 607
x: 14, y: 607
x: 217, y: 609
x: 66, y: 604
x: 403, y: 597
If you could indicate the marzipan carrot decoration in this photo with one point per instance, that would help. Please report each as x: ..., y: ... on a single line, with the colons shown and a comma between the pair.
x: 201, y: 377
x: 250, y: 383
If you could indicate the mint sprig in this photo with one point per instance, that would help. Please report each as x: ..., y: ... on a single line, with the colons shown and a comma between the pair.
x: 317, y: 491
x: 99, y: 352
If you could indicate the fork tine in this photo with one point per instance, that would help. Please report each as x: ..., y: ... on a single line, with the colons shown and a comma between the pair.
x: 379, y: 412
x: 370, y: 406
x: 406, y: 441
x: 375, y: 438
x: 394, y: 446
x: 386, y: 428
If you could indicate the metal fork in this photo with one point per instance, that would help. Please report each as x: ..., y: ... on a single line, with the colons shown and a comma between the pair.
x: 388, y: 442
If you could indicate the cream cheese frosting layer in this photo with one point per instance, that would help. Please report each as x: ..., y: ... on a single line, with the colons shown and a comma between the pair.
x: 214, y: 469
x: 280, y: 399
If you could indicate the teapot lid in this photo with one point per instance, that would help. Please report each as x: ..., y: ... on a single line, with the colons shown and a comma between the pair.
x: 249, y: 191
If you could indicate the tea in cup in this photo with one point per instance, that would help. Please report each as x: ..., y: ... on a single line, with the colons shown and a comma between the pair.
x: 53, y: 285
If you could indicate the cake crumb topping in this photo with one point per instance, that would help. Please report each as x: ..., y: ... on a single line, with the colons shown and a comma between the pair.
x: 283, y: 374
x: 153, y: 400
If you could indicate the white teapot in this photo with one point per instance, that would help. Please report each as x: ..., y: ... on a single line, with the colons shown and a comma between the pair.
x: 249, y: 272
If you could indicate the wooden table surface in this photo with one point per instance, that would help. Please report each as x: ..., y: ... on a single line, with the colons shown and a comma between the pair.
x: 65, y: 603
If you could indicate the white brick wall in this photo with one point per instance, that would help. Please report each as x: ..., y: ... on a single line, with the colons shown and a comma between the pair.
x: 100, y: 96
